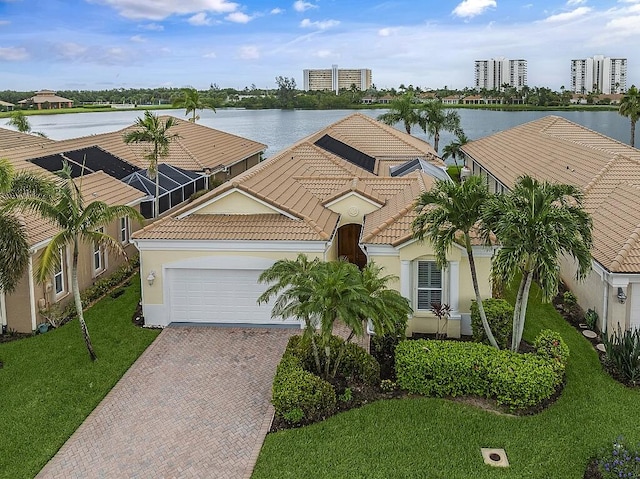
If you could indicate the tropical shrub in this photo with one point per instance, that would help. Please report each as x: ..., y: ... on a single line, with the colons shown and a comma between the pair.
x: 619, y: 460
x: 500, y: 318
x: 300, y: 396
x: 383, y: 348
x: 623, y: 354
x: 591, y: 319
x: 356, y: 364
x: 448, y: 368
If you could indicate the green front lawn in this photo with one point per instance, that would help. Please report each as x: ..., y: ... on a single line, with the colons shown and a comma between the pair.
x: 435, y: 438
x: 49, y: 385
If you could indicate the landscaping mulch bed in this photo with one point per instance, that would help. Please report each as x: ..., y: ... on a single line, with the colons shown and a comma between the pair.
x: 592, y: 471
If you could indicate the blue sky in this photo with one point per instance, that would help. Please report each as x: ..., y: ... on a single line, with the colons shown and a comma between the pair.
x: 102, y: 44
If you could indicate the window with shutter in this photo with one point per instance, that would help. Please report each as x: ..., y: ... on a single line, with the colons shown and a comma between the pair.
x: 429, y: 285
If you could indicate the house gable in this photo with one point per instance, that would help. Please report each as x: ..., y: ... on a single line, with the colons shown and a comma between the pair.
x: 352, y: 207
x: 235, y: 202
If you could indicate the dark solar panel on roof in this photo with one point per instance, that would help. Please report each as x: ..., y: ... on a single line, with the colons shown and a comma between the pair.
x: 405, y: 168
x: 97, y: 159
x: 347, y: 152
x: 54, y: 163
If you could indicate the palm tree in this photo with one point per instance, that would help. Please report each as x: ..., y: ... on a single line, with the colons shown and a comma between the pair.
x: 77, y: 223
x: 536, y: 223
x: 153, y: 130
x: 402, y: 109
x: 454, y: 149
x: 190, y: 100
x: 14, y: 253
x: 446, y: 211
x: 630, y: 107
x: 434, y: 118
x: 19, y: 121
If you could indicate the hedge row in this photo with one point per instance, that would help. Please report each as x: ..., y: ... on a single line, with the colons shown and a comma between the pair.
x: 448, y: 368
x: 500, y: 318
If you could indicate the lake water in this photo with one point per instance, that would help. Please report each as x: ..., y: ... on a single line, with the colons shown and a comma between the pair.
x: 280, y: 128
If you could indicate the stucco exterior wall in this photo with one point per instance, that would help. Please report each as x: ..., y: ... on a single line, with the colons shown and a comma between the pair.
x: 236, y: 203
x: 352, y: 208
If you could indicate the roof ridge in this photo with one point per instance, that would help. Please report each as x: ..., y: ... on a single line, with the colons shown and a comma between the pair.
x: 389, y: 221
x: 626, y: 247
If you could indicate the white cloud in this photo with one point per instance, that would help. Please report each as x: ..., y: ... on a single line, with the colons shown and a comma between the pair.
x: 4, y: 22
x: 471, y: 8
x: 13, y: 54
x: 576, y: 2
x: 210, y: 55
x: 161, y: 9
x: 154, y: 27
x: 568, y: 16
x: 323, y: 53
x: 138, y: 39
x: 238, y: 17
x: 71, y: 50
x: 302, y: 6
x: 199, y: 20
x: 276, y: 11
x: 320, y: 25
x: 386, y: 32
x: 249, y: 52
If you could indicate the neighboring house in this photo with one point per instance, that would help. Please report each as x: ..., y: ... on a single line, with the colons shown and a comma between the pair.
x: 6, y: 106
x: 21, y: 310
x: 14, y: 139
x: 451, y: 100
x: 347, y: 191
x: 608, y: 172
x: 46, y: 100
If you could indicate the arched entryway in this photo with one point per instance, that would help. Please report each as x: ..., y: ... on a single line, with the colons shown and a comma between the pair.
x: 348, y: 247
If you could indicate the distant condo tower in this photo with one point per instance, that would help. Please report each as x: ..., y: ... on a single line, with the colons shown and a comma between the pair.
x: 493, y: 74
x: 335, y: 79
x: 599, y: 73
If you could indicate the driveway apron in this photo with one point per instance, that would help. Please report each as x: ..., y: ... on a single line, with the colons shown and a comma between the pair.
x: 196, y: 404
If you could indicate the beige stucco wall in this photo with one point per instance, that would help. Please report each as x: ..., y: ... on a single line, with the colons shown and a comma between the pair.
x: 18, y: 303
x: 236, y: 203
x: 352, y: 208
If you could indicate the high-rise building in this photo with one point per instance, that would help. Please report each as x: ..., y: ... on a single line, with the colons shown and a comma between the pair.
x: 599, y: 74
x: 495, y: 73
x: 335, y: 79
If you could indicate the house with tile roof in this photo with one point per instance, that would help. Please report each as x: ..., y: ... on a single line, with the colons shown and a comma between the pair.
x: 114, y: 172
x: 347, y: 191
x: 608, y: 172
x: 46, y: 100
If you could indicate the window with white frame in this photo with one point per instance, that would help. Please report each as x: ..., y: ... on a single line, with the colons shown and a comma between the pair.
x: 58, y: 275
x: 98, y: 255
x: 428, y: 284
x: 124, y: 229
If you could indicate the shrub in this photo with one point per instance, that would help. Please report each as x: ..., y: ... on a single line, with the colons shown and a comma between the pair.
x: 447, y: 368
x: 383, y: 348
x: 356, y: 364
x: 619, y: 460
x: 500, y: 318
x: 549, y: 344
x: 591, y: 319
x: 623, y: 354
x: 569, y: 299
x: 299, y: 395
x: 197, y: 194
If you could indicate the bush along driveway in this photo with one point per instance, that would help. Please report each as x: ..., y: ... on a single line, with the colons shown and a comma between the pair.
x: 437, y: 438
x: 48, y: 384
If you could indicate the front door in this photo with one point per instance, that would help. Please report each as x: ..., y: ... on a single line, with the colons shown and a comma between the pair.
x: 348, y: 247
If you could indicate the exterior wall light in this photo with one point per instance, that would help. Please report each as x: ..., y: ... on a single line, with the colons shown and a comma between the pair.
x: 622, y: 297
x: 151, y: 278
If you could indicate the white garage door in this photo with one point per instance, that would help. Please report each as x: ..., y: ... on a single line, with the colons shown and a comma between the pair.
x: 217, y: 296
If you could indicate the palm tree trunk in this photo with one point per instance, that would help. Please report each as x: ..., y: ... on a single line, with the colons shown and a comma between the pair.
x: 522, y: 312
x: 341, y: 354
x: 314, y: 346
x: 516, y: 315
x: 78, y: 302
x: 633, y: 133
x: 476, y: 289
x: 436, y: 140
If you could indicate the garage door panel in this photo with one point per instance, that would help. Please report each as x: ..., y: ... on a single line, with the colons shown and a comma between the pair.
x: 217, y: 296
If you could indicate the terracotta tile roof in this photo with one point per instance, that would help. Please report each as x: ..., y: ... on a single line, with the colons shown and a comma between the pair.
x: 259, y: 227
x: 198, y: 148
x: 303, y: 179
x: 13, y: 139
x: 555, y: 149
x: 95, y: 187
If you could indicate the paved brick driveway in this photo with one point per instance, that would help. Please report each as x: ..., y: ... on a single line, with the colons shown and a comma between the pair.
x: 194, y: 405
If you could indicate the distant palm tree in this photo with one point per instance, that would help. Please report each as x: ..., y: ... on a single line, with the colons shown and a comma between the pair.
x: 434, y: 118
x: 444, y: 212
x: 190, y: 100
x: 536, y: 223
x: 19, y: 121
x: 402, y: 109
x: 630, y: 107
x: 77, y: 223
x: 454, y: 149
x: 14, y: 253
x: 153, y: 130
